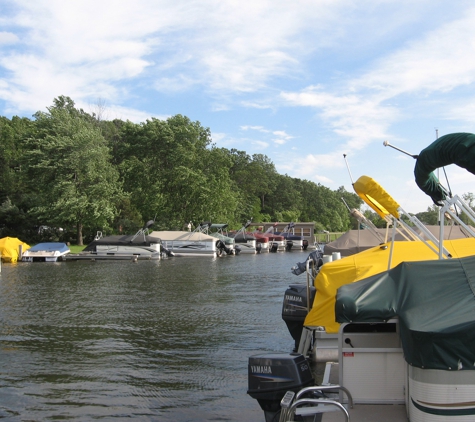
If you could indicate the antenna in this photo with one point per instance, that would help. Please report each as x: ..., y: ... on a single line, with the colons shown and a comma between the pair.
x: 343, y: 199
x: 387, y: 144
x: 348, y: 167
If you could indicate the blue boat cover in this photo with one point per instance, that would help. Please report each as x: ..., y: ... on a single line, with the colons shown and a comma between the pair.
x: 50, y: 247
x: 435, y: 304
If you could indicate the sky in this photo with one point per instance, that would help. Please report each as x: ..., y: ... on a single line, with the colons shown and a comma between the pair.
x: 303, y: 82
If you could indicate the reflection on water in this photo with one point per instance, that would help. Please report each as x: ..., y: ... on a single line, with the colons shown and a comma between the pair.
x: 152, y: 340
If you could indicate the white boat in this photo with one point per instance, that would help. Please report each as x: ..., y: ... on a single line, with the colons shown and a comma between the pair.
x: 122, y: 247
x: 183, y: 243
x: 46, y: 252
x: 246, y: 242
x: 402, y: 323
x: 277, y: 239
x: 227, y: 245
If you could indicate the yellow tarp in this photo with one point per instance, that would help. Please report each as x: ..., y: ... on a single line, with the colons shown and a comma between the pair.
x: 376, y: 197
x: 373, y: 261
x: 9, y: 248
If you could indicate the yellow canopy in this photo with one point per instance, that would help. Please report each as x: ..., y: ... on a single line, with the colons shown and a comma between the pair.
x: 10, y: 247
x: 373, y: 261
x: 376, y: 197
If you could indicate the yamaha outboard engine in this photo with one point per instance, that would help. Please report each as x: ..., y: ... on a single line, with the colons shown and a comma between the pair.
x: 270, y: 376
x: 294, y: 309
x: 305, y: 244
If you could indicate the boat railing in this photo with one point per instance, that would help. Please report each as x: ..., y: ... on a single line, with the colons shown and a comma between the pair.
x: 449, y: 209
x: 293, y: 404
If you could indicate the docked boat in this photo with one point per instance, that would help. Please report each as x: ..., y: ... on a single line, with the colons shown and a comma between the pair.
x: 392, y: 325
x: 245, y: 241
x: 225, y: 244
x: 293, y: 241
x: 123, y: 247
x: 11, y: 249
x: 190, y: 244
x: 46, y: 252
x: 278, y: 241
x: 263, y: 239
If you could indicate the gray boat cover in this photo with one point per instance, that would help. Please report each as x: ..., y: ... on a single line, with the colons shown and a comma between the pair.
x: 455, y: 148
x: 354, y: 241
x: 435, y: 304
x: 123, y: 240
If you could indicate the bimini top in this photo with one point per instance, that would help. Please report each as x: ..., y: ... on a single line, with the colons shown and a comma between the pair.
x: 376, y: 197
x: 333, y: 275
x: 435, y: 303
x: 455, y: 148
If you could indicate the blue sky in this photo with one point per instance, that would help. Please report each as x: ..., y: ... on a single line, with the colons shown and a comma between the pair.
x: 302, y: 81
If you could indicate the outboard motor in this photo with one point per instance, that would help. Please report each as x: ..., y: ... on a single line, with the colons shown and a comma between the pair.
x: 288, y: 245
x: 315, y: 258
x: 167, y: 252
x: 274, y: 247
x: 294, y: 309
x: 221, y: 247
x: 305, y: 244
x: 258, y: 248
x: 237, y: 249
x: 270, y: 376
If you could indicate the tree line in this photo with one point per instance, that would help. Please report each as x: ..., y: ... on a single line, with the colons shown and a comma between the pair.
x: 67, y: 173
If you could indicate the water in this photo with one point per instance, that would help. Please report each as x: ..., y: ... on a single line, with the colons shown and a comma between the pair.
x: 152, y: 340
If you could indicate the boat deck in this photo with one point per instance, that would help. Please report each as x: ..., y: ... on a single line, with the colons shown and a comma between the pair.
x: 370, y: 413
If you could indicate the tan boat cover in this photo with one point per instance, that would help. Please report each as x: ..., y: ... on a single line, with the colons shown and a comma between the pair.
x: 354, y: 241
x: 174, y: 235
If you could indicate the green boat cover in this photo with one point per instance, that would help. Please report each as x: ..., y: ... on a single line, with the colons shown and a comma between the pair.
x: 455, y: 148
x: 435, y: 304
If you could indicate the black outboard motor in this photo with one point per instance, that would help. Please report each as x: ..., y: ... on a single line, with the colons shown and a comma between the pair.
x: 221, y: 247
x: 294, y: 309
x: 258, y: 248
x: 270, y: 376
x: 288, y: 245
x: 305, y: 244
x: 274, y: 247
x: 315, y: 258
x: 167, y: 252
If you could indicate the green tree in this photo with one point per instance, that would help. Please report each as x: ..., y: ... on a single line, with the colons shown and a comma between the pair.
x: 430, y: 216
x: 69, y: 165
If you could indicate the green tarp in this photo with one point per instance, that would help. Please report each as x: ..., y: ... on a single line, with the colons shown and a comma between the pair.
x: 435, y: 304
x: 455, y: 148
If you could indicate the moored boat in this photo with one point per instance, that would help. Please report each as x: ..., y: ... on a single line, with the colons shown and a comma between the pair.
x: 11, y: 249
x: 225, y: 244
x: 246, y: 242
x: 400, y: 316
x: 191, y: 244
x: 46, y: 252
x: 122, y: 247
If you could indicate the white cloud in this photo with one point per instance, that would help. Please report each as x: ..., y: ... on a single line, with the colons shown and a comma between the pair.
x: 8, y: 38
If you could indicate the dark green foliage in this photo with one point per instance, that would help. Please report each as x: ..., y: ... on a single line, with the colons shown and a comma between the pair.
x: 72, y: 170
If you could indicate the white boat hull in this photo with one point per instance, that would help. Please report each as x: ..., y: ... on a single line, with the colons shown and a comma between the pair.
x: 440, y: 396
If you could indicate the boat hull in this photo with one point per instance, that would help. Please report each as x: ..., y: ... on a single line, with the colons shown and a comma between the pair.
x: 437, y: 395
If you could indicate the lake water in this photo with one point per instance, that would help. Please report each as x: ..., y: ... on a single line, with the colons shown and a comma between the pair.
x: 152, y: 340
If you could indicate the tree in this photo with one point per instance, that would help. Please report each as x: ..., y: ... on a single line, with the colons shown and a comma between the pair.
x: 69, y: 165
